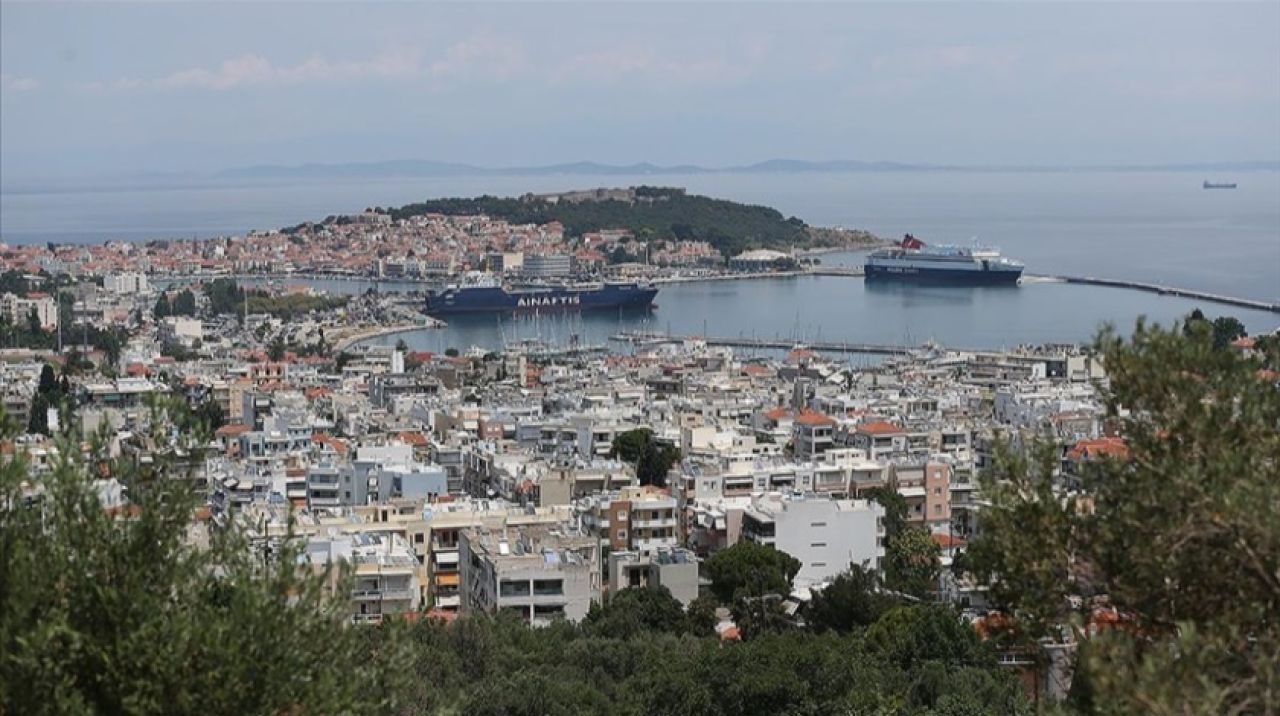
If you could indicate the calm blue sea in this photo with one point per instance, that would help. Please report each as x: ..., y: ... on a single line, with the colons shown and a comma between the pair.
x: 1157, y: 227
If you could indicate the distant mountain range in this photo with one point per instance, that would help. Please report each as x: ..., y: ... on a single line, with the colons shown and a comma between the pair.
x: 427, y: 168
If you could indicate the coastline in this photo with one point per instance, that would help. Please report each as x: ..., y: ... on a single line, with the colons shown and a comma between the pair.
x: 365, y: 334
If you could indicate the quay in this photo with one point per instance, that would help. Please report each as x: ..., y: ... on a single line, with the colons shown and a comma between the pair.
x: 642, y: 337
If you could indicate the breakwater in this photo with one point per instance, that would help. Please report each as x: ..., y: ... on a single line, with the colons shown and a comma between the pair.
x: 1207, y: 296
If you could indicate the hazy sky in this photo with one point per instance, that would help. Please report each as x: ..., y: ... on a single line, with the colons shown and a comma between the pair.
x: 104, y: 89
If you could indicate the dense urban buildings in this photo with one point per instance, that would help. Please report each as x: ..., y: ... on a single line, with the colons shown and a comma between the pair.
x: 537, y: 481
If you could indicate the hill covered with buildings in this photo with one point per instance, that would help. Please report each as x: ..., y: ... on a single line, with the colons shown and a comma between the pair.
x: 649, y: 212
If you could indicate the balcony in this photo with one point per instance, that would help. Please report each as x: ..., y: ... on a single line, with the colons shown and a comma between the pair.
x: 654, y: 523
x: 450, y: 579
x: 650, y: 545
x: 446, y: 558
x: 385, y: 563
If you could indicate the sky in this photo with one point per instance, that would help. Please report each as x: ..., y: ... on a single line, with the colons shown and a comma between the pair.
x: 103, y: 89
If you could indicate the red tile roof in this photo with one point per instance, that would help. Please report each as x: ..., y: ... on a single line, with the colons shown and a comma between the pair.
x: 1110, y: 447
x: 231, y: 430
x: 777, y: 414
x: 1244, y: 342
x: 879, y: 427
x: 948, y: 541
x: 810, y: 417
x: 413, y: 437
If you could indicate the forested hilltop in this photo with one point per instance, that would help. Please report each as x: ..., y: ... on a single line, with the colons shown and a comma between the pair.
x: 650, y: 212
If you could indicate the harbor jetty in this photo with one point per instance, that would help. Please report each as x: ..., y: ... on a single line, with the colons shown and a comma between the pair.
x: 1272, y: 306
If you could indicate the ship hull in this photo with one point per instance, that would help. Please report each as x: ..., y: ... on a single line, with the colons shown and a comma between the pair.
x: 943, y: 276
x: 499, y: 300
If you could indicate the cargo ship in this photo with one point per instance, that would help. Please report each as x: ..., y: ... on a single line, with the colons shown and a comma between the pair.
x: 493, y: 297
x: 914, y: 261
x: 1219, y: 185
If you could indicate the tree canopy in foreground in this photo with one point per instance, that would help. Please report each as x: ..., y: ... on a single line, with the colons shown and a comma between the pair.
x: 1181, y: 535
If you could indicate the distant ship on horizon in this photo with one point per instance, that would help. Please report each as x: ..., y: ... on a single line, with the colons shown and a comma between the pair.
x: 1219, y: 185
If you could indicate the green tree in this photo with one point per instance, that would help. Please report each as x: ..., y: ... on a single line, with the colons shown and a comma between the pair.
x: 758, y: 614
x: 162, y: 309
x: 927, y: 632
x: 110, y: 612
x: 853, y: 599
x: 276, y: 350
x: 185, y: 303
x: 38, y: 423
x: 750, y: 569
x: 1226, y: 329
x: 224, y: 296
x: 632, y: 611
x: 895, y: 510
x: 652, y: 459
x: 1183, y: 536
x: 33, y: 321
x: 912, y: 562
x: 48, y: 384
x: 209, y: 414
x: 630, y: 445
x: 1030, y: 541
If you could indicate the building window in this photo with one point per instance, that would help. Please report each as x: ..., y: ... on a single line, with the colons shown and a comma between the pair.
x: 510, y: 588
x: 817, y: 524
x: 817, y: 545
x: 419, y: 538
x: 817, y: 564
x: 622, y: 534
x: 548, y: 611
x: 548, y: 587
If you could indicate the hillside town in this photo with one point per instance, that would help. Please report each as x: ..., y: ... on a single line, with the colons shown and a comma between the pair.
x: 423, y: 247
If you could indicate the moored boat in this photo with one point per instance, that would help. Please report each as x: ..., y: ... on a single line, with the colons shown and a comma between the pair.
x: 497, y: 298
x: 914, y: 261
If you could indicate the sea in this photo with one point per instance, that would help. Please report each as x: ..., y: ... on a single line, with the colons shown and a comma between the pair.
x: 1157, y: 227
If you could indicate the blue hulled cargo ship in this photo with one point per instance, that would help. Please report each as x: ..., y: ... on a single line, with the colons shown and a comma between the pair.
x: 913, y: 261
x: 495, y: 298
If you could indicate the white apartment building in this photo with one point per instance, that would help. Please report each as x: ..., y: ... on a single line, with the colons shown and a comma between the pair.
x: 826, y: 535
x: 19, y: 309
x: 127, y: 283
x: 385, y: 572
